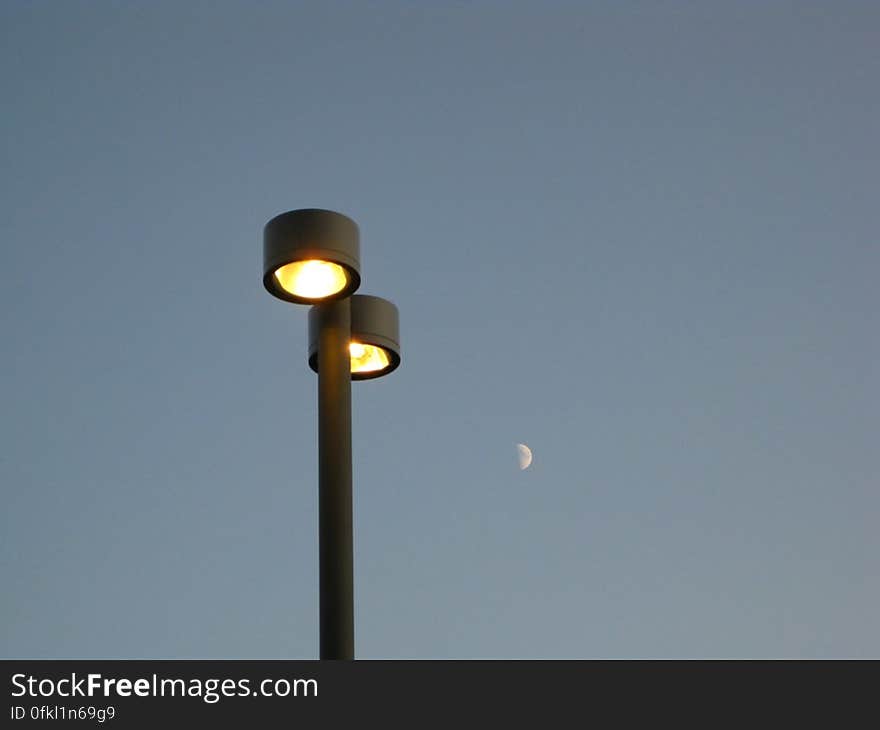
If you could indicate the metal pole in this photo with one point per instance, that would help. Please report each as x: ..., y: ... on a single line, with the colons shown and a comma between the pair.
x: 336, y: 553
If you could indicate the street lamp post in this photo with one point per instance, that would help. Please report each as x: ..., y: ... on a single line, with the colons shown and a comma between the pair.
x: 312, y: 256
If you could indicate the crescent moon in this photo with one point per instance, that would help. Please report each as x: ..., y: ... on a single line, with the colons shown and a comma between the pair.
x: 525, y: 456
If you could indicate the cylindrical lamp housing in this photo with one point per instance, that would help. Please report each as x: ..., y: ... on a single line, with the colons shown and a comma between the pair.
x: 375, y: 337
x: 311, y: 256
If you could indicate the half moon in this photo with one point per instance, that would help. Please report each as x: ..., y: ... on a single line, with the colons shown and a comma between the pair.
x: 525, y: 456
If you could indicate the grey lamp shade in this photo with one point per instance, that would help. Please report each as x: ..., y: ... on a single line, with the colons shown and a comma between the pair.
x: 311, y: 255
x: 375, y: 337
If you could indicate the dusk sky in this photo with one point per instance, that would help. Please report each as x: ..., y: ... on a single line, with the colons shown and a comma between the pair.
x: 639, y: 237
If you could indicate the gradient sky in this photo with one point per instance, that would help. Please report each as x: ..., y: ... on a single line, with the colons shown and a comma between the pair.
x: 641, y: 238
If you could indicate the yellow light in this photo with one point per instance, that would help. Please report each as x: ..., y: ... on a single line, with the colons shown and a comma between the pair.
x: 312, y: 279
x: 367, y: 358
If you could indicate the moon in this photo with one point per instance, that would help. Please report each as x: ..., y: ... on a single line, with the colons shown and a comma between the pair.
x: 525, y: 456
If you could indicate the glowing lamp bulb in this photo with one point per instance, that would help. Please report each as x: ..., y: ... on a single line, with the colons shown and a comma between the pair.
x: 367, y: 358
x: 312, y: 279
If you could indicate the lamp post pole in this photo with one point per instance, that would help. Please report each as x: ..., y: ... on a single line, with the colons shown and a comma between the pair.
x: 312, y: 256
x: 336, y: 552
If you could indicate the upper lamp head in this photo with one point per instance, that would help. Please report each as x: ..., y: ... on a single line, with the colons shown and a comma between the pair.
x: 311, y: 256
x: 375, y: 337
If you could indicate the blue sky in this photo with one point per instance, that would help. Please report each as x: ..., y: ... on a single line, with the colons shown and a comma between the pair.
x: 641, y: 238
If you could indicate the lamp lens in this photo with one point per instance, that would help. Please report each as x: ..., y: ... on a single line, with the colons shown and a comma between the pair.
x: 367, y: 358
x: 312, y: 279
